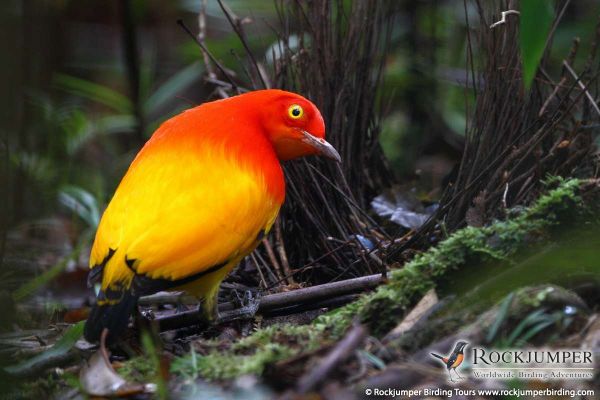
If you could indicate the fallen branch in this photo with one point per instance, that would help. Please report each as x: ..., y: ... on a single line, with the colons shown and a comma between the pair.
x: 329, y: 294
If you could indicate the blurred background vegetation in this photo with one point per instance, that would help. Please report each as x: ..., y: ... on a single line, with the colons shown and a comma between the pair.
x: 86, y: 83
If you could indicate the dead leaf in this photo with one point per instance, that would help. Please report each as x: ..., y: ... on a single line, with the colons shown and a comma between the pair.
x: 99, y: 378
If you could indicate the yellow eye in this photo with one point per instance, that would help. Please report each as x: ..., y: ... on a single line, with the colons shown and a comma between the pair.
x: 295, y: 111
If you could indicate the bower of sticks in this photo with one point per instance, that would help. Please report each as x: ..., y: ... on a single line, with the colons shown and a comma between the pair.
x: 485, y: 231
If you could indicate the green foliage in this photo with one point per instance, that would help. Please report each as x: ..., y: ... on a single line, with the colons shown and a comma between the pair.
x: 155, y: 105
x: 529, y: 311
x: 62, y: 347
x: 138, y: 369
x: 502, y: 315
x: 61, y: 131
x: 95, y: 92
x: 166, y: 92
x: 152, y: 356
x: 43, y: 279
x: 30, y: 287
x: 535, y: 22
x: 82, y: 203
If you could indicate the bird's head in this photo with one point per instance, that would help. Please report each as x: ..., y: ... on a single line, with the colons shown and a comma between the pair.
x: 294, y: 126
x: 460, y: 346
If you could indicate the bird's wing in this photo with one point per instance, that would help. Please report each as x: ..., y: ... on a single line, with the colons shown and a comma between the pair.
x: 458, y: 360
x: 450, y: 361
x: 178, y: 212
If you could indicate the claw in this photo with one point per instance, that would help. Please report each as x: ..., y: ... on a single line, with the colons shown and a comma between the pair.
x: 249, y: 304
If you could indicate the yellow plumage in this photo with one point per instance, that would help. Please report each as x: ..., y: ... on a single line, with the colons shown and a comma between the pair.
x: 178, y: 212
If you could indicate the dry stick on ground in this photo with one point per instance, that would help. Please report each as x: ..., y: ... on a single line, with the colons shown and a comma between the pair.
x: 340, y: 353
x: 297, y: 299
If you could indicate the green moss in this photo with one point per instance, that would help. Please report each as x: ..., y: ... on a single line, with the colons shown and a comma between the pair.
x: 224, y: 365
x: 383, y: 308
x: 138, y: 369
x: 253, y: 353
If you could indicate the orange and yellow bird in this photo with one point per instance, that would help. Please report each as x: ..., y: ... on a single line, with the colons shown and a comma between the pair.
x: 197, y: 199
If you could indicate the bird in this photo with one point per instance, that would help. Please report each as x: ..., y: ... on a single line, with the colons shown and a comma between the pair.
x: 454, y: 359
x: 198, y: 198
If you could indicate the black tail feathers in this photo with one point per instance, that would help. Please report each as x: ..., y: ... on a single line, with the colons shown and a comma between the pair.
x: 114, y: 317
x: 437, y: 356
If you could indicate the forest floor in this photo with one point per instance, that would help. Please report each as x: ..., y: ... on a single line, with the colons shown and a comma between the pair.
x: 527, y: 281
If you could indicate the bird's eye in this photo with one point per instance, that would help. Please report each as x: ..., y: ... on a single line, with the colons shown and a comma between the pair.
x: 295, y: 111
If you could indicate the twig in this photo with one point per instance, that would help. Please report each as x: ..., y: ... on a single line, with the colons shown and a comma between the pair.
x: 503, y: 19
x: 341, y: 352
x: 552, y: 95
x: 319, y: 292
x: 204, y: 49
x: 271, y: 254
x: 262, y: 276
x: 582, y: 86
x: 504, y: 196
x: 333, y: 302
x: 280, y: 245
x: 234, y: 21
x: 207, y: 63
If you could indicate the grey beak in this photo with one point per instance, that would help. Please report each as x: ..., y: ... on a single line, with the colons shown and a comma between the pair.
x: 322, y: 146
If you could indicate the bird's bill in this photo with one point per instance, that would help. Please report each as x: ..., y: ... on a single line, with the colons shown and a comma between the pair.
x: 321, y: 146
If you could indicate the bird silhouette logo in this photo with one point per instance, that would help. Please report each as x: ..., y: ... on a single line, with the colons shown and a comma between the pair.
x: 453, y: 360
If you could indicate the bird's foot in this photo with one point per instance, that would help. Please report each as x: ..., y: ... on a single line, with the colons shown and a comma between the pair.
x: 248, y: 306
x: 147, y: 314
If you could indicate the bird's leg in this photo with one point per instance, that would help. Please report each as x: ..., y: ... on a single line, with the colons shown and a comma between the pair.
x: 206, y: 311
x: 450, y: 375
x: 457, y: 374
x: 248, y: 303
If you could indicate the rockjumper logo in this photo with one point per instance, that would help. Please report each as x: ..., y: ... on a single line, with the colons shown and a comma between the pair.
x: 454, y: 359
x: 539, y: 364
x: 532, y: 357
x: 542, y: 364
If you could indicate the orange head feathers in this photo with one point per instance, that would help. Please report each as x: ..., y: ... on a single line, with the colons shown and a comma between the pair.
x: 294, y: 125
